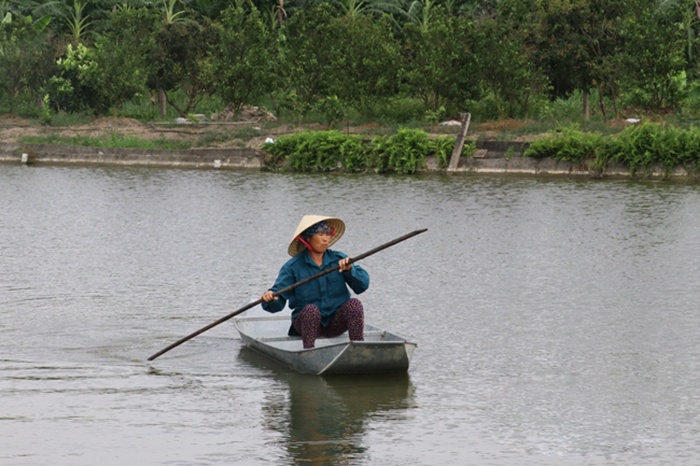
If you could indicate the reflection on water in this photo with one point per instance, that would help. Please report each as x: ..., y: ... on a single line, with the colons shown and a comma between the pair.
x: 323, y: 419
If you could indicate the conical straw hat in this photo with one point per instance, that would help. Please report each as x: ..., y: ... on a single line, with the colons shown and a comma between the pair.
x: 336, y: 224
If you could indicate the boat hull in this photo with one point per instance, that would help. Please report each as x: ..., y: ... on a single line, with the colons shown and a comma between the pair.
x: 380, y: 352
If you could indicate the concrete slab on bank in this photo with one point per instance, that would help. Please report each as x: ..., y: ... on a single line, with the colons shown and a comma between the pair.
x: 235, y: 158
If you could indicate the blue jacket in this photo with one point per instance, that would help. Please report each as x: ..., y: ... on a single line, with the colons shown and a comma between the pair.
x: 328, y: 292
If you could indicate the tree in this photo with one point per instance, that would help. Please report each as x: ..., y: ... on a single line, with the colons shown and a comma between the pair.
x: 655, y: 60
x: 578, y: 43
x: 306, y: 61
x: 243, y: 58
x: 181, y: 61
x: 439, y: 62
x: 112, y: 71
x: 505, y: 58
x: 26, y: 59
x: 366, y: 61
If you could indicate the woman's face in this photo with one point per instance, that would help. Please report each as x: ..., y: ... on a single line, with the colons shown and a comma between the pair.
x: 320, y: 241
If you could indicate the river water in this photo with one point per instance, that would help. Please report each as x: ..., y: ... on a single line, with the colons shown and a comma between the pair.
x: 557, y: 320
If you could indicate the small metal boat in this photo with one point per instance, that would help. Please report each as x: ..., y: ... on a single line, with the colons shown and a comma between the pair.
x: 380, y: 352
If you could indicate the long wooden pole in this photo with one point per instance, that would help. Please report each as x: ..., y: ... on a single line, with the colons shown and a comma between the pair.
x: 284, y: 290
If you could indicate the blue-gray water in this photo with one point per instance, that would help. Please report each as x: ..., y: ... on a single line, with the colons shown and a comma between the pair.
x: 557, y: 320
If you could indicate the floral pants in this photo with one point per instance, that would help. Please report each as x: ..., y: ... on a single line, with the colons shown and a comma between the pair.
x: 350, y: 316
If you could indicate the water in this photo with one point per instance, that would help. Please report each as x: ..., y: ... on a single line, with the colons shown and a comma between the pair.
x: 556, y: 320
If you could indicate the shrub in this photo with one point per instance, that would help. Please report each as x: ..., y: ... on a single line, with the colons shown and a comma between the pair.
x: 639, y: 148
x: 647, y: 145
x: 404, y: 152
x: 569, y: 145
x: 316, y: 151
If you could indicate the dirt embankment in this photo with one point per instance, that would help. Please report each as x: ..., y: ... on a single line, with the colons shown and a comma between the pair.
x: 13, y: 129
x: 218, y: 135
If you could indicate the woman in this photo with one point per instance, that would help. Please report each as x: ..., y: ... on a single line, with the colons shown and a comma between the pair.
x: 322, y: 306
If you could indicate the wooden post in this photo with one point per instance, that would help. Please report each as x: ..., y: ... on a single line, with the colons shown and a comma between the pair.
x: 459, y: 144
x: 162, y: 102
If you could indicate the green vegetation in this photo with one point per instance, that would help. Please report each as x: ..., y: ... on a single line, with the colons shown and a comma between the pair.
x: 569, y: 145
x: 110, y: 142
x: 402, y: 62
x: 404, y: 152
x: 639, y: 148
x: 573, y: 66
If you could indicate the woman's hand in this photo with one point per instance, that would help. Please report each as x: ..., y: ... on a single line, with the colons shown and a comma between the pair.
x: 268, y: 296
x: 343, y: 265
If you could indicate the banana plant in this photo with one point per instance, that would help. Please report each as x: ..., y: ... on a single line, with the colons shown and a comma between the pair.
x: 10, y: 9
x: 7, y: 13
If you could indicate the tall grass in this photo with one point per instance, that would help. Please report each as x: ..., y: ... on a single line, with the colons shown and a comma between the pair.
x: 112, y: 141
